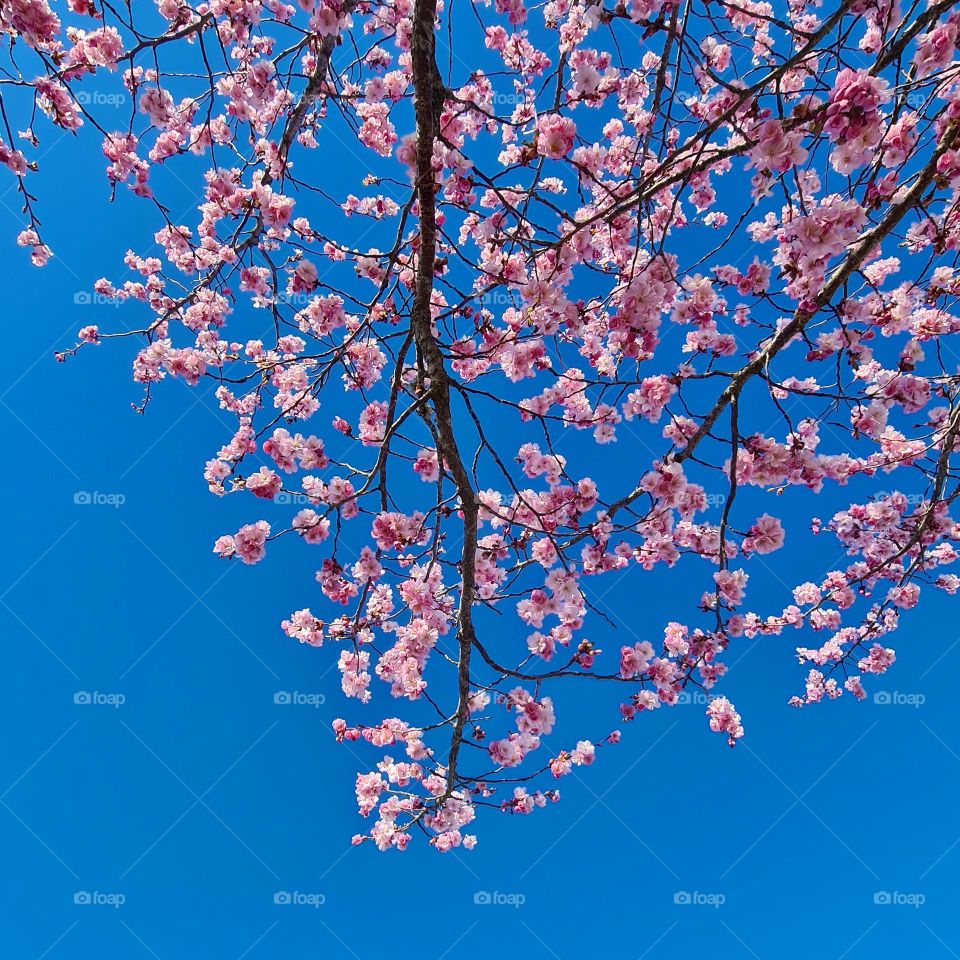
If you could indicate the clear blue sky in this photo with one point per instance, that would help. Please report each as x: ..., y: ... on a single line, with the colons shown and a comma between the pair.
x: 199, y: 799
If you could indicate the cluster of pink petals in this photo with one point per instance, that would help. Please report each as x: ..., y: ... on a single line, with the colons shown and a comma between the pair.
x: 622, y: 399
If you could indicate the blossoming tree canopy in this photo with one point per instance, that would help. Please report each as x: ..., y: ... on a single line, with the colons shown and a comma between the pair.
x: 514, y: 301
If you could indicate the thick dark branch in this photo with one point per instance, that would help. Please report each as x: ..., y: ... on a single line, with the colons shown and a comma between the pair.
x: 428, y: 100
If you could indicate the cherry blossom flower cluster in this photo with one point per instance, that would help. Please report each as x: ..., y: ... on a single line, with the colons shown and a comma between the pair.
x: 502, y: 328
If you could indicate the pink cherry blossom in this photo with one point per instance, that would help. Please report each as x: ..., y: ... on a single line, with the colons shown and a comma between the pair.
x: 486, y: 343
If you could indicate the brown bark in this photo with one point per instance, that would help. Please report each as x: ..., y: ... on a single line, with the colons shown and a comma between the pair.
x: 428, y: 101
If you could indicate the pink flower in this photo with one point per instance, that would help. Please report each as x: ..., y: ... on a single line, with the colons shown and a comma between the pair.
x: 853, y: 118
x: 555, y: 135
x: 225, y: 547
x: 584, y: 753
x: 724, y: 719
x: 650, y: 400
x: 305, y: 627
x: 731, y: 585
x: 935, y: 50
x: 427, y: 466
x: 765, y: 536
x: 775, y: 149
x: 473, y: 347
x: 250, y: 541
x: 264, y: 484
x: 878, y: 660
x: 394, y: 531
x: 635, y: 660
